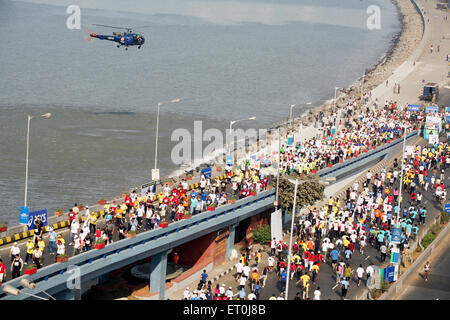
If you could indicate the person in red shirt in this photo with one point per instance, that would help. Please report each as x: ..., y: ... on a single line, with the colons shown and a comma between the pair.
x: 413, y: 197
x: 281, y: 265
x: 391, y: 199
x: 318, y: 258
x: 72, y: 215
x: 128, y: 203
x: 2, y: 271
x: 306, y: 257
x: 351, y: 247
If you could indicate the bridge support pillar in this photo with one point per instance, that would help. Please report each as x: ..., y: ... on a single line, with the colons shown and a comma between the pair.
x: 158, y: 272
x: 230, y: 241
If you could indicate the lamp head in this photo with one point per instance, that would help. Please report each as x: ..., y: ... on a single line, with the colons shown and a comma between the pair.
x: 46, y: 115
x: 252, y: 118
x: 28, y: 284
x: 11, y: 290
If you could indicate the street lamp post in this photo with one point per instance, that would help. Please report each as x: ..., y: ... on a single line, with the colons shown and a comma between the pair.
x: 278, y: 169
x: 362, y: 84
x: 231, y: 128
x: 157, y: 128
x: 335, y: 95
x: 290, y: 241
x: 401, y: 176
x: 296, y: 183
x: 295, y: 105
x: 44, y: 116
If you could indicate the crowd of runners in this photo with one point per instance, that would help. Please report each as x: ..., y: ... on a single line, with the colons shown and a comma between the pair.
x: 365, y: 216
x: 332, y: 235
x: 348, y: 133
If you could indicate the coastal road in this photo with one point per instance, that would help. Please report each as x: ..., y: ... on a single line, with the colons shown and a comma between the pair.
x: 326, y: 279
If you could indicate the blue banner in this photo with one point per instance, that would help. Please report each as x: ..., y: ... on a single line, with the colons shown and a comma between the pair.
x: 389, y: 274
x: 447, y: 208
x: 414, y: 107
x: 230, y: 160
x: 447, y: 119
x: 207, y: 172
x: 431, y: 109
x: 290, y: 140
x: 24, y: 212
x: 396, y: 235
x: 394, y: 257
x: 33, y: 217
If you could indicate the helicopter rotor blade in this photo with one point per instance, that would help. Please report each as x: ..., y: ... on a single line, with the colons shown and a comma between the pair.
x: 102, y: 25
x: 142, y: 27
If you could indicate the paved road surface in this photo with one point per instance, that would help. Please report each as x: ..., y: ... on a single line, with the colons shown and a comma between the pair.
x: 438, y: 284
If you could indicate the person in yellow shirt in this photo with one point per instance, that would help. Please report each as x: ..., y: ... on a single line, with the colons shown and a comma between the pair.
x: 305, y: 285
x: 60, y: 238
x: 315, y: 268
x: 161, y: 197
x: 93, y: 222
x: 346, y: 242
x: 30, y: 249
x: 41, y: 245
x: 330, y: 204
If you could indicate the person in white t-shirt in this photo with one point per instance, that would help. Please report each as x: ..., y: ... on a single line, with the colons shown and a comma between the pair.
x: 186, y: 294
x: 270, y: 262
x: 239, y: 267
x: 242, y: 282
x: 317, y: 294
x: 229, y: 293
x: 360, y: 274
x: 251, y: 296
x: 74, y: 227
x: 15, y: 250
x: 369, y: 271
x: 246, y: 271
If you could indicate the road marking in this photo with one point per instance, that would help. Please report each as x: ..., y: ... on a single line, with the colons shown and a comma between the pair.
x: 367, y: 258
x: 335, y: 286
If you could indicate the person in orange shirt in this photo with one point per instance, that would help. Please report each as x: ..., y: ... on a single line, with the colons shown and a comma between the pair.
x: 254, y: 277
x: 176, y: 258
x: 310, y: 245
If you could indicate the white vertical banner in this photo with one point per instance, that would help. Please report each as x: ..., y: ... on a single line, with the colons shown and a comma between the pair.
x: 395, y: 272
x: 276, y: 230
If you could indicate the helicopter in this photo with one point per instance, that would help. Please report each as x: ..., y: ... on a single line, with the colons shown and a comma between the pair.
x: 123, y: 39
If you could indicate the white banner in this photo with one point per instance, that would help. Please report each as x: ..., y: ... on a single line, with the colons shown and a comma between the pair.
x: 276, y: 230
x: 155, y: 174
x: 433, y: 138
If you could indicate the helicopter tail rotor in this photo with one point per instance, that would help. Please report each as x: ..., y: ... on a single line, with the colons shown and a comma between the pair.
x: 90, y: 38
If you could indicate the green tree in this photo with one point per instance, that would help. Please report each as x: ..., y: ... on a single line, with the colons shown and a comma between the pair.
x: 307, y: 192
x: 262, y: 235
